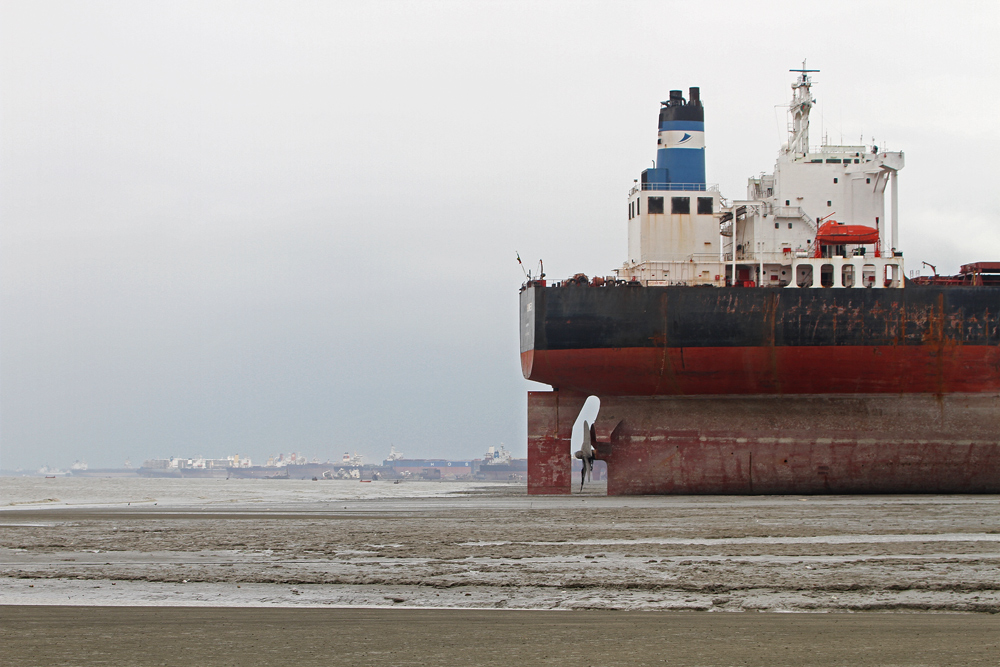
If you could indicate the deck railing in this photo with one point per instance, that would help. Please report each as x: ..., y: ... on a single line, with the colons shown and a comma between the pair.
x: 675, y: 187
x: 681, y: 187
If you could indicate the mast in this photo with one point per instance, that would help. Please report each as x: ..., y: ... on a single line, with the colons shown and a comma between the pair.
x: 802, y: 101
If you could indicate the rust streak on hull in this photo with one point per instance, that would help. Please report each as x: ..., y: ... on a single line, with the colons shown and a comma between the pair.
x: 803, y: 444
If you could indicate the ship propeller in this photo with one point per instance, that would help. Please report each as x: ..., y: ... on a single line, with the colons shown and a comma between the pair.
x: 586, y: 454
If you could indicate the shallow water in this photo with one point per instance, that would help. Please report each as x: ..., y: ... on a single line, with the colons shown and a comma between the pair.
x: 35, y: 492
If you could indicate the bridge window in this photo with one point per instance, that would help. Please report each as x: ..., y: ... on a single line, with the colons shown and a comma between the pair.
x: 705, y: 205
x: 654, y: 205
x: 680, y: 205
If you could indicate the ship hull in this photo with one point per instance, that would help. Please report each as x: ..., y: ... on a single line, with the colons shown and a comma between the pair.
x: 695, y: 371
x: 754, y: 391
x: 808, y: 444
x: 694, y: 341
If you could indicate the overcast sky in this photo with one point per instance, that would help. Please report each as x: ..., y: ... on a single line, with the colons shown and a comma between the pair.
x: 259, y: 227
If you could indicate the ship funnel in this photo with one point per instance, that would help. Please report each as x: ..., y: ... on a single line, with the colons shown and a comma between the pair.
x: 680, y: 153
x: 586, y: 454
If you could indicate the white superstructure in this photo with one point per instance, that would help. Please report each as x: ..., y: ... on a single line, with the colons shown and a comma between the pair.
x: 673, y: 237
x: 810, y: 223
x: 673, y: 215
x: 496, y: 456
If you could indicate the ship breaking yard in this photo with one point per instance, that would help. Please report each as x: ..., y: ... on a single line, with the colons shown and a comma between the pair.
x: 790, y: 457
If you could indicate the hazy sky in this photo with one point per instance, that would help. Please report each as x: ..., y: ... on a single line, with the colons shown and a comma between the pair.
x: 259, y: 227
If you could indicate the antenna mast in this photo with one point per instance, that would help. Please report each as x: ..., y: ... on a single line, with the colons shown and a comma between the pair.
x: 802, y: 101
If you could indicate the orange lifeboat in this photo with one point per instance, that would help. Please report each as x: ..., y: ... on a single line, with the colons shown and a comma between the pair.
x: 837, y: 233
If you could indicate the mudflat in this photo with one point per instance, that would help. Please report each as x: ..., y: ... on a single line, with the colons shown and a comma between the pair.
x: 327, y: 544
x: 268, y: 572
x: 53, y: 635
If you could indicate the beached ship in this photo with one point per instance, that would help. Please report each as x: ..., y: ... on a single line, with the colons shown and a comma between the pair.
x: 767, y: 345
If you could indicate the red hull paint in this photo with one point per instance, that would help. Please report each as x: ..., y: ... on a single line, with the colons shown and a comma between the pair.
x: 725, y: 464
x: 551, y: 415
x: 914, y: 443
x: 652, y: 371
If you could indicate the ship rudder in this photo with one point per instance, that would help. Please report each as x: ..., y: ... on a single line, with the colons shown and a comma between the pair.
x: 551, y: 415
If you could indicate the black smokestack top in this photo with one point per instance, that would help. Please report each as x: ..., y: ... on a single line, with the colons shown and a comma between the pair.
x: 677, y: 109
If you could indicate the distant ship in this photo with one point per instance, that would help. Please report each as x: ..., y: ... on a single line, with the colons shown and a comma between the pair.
x: 767, y: 345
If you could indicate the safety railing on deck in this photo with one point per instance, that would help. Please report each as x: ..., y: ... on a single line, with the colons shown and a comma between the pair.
x: 681, y: 187
x: 768, y: 257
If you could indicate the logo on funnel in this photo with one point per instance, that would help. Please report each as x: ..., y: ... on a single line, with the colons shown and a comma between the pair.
x: 686, y: 139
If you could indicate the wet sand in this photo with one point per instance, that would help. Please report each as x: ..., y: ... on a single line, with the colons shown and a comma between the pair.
x: 492, y: 546
x: 40, y: 635
x: 211, y: 572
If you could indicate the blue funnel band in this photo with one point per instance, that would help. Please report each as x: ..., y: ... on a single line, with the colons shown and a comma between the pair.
x: 696, y: 125
x: 682, y: 165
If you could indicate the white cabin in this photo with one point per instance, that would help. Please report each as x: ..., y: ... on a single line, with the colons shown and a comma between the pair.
x: 770, y: 238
